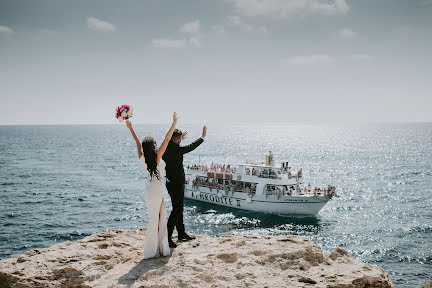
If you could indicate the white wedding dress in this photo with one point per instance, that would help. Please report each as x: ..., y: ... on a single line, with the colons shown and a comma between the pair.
x: 156, y: 239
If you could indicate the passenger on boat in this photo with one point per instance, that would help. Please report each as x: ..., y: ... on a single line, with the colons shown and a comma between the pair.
x: 278, y: 192
x: 299, y: 173
x: 226, y: 190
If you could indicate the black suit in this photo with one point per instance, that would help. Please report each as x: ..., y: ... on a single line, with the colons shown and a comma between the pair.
x: 173, y: 158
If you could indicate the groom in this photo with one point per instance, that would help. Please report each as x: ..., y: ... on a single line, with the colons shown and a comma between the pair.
x: 173, y: 158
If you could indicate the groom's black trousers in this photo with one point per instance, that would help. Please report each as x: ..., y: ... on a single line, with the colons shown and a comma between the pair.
x: 176, y: 191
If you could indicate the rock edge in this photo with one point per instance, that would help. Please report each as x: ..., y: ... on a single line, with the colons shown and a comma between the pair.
x: 114, y: 259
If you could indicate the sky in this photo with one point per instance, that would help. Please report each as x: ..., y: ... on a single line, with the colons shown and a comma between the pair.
x: 216, y: 61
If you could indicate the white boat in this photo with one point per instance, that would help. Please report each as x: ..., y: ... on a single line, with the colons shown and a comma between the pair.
x: 260, y: 187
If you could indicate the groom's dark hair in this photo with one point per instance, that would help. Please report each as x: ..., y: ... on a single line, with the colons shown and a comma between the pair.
x: 177, y: 133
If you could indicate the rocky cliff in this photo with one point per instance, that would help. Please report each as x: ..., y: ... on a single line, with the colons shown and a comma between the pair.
x: 114, y: 259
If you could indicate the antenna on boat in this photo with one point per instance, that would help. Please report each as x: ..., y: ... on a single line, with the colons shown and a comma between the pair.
x: 199, y: 159
x: 312, y: 179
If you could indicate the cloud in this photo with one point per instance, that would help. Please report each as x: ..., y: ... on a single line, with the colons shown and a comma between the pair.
x: 285, y: 8
x: 347, y: 33
x: 194, y: 42
x: 360, y: 57
x: 4, y: 30
x: 426, y: 2
x: 262, y: 29
x: 309, y: 59
x: 234, y: 20
x: 168, y: 43
x: 218, y: 29
x: 191, y: 27
x: 176, y: 43
x: 98, y: 25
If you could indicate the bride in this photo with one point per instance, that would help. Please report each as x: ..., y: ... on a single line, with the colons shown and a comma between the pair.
x: 156, y: 239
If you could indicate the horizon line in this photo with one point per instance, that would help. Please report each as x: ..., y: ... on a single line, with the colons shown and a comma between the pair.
x: 226, y: 123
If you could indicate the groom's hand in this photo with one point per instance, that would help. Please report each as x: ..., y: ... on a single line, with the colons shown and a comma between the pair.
x: 184, y: 135
x: 204, y: 132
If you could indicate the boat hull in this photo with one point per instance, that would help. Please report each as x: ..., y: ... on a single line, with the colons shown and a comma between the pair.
x: 286, y: 205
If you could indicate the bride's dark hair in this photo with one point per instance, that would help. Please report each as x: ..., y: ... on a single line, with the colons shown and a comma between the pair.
x: 150, y: 154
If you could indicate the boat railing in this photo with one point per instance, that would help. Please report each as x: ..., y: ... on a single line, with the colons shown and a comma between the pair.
x: 207, y: 169
x: 229, y: 169
x: 224, y: 187
x: 301, y: 191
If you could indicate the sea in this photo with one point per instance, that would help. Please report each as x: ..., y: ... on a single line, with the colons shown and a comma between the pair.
x: 62, y: 183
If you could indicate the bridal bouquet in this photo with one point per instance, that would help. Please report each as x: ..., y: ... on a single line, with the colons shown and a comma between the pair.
x: 124, y: 112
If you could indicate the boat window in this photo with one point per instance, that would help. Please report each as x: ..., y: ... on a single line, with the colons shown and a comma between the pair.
x: 278, y: 190
x: 226, y: 185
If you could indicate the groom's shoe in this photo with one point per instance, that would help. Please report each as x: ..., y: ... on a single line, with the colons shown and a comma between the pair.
x: 171, y: 243
x: 185, y: 237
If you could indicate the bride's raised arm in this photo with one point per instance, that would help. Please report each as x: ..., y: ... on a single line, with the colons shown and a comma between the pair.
x: 168, y: 136
x: 137, y: 140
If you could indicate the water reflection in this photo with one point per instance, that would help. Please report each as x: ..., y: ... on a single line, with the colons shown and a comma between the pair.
x: 225, y: 219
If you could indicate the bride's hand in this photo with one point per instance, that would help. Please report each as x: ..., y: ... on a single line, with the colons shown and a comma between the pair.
x: 128, y: 124
x: 175, y: 117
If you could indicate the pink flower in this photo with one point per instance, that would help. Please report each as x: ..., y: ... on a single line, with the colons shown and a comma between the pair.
x: 123, y: 112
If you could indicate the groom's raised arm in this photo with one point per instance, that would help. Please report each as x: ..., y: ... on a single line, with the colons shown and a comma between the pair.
x: 192, y: 146
x: 195, y: 144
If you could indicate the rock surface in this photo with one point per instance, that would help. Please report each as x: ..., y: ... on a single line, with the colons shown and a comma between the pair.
x: 114, y: 259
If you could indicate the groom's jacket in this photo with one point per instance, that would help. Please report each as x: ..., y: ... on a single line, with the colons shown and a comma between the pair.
x: 173, y: 158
